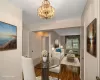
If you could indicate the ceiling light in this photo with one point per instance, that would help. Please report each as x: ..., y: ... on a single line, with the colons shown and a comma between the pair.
x: 46, y: 11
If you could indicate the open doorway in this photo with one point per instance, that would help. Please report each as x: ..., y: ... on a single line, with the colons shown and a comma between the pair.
x: 67, y: 51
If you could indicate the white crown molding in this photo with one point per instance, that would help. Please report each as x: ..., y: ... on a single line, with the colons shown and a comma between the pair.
x: 75, y: 22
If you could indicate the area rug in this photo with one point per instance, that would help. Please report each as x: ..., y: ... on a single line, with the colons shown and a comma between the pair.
x: 50, y: 78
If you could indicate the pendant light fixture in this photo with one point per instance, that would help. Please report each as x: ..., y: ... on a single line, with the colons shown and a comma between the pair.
x: 46, y: 11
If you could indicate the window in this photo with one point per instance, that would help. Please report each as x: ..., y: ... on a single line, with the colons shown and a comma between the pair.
x: 73, y: 43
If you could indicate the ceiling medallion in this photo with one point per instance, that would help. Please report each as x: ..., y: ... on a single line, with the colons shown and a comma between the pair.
x: 46, y: 11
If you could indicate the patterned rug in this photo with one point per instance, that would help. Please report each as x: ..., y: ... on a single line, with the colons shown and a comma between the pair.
x: 50, y: 78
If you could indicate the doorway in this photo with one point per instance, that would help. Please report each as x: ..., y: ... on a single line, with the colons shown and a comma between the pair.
x: 48, y: 42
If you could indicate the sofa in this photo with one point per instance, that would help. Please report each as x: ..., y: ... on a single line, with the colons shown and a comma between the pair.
x: 58, y: 55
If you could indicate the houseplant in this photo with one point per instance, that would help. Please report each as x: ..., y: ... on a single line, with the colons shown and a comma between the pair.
x: 44, y: 55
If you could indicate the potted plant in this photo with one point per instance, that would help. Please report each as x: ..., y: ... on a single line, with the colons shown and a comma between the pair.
x: 44, y: 55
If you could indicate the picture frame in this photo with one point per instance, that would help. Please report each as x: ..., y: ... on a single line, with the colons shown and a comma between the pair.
x: 8, y: 36
x: 92, y: 38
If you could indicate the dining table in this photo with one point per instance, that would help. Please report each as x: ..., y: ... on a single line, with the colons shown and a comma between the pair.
x: 75, y: 63
x: 45, y: 66
x: 72, y: 66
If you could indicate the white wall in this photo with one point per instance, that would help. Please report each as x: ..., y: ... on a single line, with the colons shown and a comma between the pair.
x: 10, y: 61
x: 62, y: 41
x: 35, y: 45
x: 45, y: 43
x: 52, y: 37
x: 99, y: 35
x: 25, y: 41
x: 91, y: 63
x: 82, y: 50
x: 68, y: 31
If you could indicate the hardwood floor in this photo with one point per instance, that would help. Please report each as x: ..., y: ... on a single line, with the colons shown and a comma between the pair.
x: 65, y: 73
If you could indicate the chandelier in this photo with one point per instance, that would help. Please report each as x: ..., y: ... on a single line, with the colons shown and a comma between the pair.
x: 46, y: 11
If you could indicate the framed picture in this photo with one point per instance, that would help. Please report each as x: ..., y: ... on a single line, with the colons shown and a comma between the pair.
x: 92, y: 38
x: 8, y: 36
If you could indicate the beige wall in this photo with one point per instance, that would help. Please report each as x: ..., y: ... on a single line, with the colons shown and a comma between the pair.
x: 91, y: 65
x: 10, y: 61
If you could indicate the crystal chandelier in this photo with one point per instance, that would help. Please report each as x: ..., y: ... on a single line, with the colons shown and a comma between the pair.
x: 46, y: 11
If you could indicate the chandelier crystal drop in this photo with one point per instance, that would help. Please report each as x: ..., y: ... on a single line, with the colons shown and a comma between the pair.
x: 46, y: 11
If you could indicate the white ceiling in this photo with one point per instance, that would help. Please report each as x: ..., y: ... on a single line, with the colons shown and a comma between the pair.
x: 68, y: 31
x: 65, y: 9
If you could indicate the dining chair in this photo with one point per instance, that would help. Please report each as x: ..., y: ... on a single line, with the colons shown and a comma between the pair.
x: 57, y: 69
x: 28, y: 69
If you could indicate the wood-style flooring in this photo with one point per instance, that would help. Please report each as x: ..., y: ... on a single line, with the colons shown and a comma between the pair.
x: 65, y: 73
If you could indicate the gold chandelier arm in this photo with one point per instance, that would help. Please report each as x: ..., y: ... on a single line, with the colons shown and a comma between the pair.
x: 45, y: 0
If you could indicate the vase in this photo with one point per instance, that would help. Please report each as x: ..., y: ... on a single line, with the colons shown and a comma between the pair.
x: 44, y: 59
